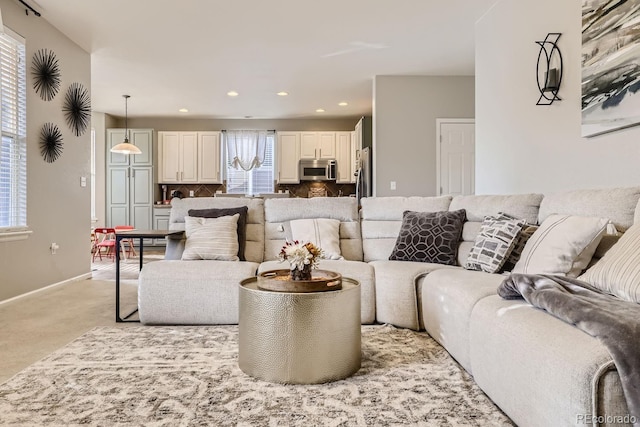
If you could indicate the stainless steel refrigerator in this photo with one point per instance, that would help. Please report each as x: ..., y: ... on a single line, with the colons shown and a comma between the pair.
x: 363, y: 174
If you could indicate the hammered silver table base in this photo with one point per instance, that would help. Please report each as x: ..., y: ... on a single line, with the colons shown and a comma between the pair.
x: 299, y: 338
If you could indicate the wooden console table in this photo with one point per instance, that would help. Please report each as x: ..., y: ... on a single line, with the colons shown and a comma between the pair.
x: 135, y: 234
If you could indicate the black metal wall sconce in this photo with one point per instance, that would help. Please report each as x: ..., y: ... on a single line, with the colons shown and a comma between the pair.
x: 549, y: 69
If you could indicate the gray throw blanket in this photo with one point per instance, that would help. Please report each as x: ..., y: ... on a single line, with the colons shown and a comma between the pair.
x: 615, y: 322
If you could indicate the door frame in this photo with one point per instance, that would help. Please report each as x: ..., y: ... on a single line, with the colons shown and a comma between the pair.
x: 439, y: 123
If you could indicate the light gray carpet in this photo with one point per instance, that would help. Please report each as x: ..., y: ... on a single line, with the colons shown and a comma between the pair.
x: 184, y: 376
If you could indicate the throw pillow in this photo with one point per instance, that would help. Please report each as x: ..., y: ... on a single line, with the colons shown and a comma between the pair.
x: 429, y: 237
x: 618, y: 271
x: 242, y: 222
x: 495, y: 242
x: 562, y: 245
x: 322, y: 232
x: 211, y: 238
x: 523, y: 237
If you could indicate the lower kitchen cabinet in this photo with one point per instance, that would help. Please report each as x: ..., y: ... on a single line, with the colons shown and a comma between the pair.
x: 161, y: 222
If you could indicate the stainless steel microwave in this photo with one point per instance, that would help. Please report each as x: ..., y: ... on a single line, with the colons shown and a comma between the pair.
x: 317, y: 170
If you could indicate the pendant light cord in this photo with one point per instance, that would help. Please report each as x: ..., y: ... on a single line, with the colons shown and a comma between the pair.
x: 126, y: 118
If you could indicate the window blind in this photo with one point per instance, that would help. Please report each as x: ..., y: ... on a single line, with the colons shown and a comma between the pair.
x: 258, y: 180
x: 13, y: 120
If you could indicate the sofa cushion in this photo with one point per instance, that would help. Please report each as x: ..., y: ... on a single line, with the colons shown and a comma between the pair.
x: 381, y: 218
x: 398, y: 285
x: 279, y: 212
x: 494, y: 243
x: 429, y: 237
x: 563, y: 245
x: 218, y: 212
x: 618, y: 272
x: 448, y: 297
x: 324, y: 233
x: 254, y: 249
x: 177, y: 293
x: 616, y: 204
x: 211, y: 238
x: 524, y: 358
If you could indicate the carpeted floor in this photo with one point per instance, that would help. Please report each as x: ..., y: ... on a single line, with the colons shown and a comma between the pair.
x: 184, y: 376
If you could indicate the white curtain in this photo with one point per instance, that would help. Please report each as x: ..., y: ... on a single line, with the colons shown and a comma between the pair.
x: 246, y: 148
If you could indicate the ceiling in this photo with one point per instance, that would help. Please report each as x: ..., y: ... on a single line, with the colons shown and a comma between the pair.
x: 170, y: 54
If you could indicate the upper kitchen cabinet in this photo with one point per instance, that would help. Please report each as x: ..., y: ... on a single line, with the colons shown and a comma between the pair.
x: 356, y: 146
x: 288, y: 153
x: 178, y: 157
x: 317, y: 145
x: 142, y: 138
x: 209, y: 170
x: 343, y: 158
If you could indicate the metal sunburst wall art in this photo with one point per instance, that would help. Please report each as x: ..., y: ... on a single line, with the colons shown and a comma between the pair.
x: 50, y: 142
x: 77, y: 108
x: 46, y: 74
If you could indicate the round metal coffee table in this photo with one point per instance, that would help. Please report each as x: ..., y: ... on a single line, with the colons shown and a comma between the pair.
x: 299, y: 338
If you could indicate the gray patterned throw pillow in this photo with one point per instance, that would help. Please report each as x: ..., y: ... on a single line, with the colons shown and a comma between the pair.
x: 495, y: 242
x: 429, y: 237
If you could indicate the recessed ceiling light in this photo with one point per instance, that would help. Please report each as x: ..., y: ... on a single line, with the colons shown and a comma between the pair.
x: 232, y: 93
x: 320, y: 110
x: 283, y: 93
x: 183, y: 110
x: 343, y: 104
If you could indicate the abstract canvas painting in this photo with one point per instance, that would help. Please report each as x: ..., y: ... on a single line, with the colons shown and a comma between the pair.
x: 610, y: 65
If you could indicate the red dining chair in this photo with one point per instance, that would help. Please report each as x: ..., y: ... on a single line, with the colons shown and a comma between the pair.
x: 105, y: 239
x: 126, y: 245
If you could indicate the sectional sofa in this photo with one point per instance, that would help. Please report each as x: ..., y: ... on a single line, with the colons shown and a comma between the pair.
x: 539, y: 370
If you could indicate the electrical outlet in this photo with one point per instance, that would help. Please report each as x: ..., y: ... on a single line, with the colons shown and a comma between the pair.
x: 54, y: 248
x: 393, y: 185
x: 192, y: 193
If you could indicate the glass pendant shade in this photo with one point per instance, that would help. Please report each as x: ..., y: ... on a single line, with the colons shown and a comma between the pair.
x: 125, y: 147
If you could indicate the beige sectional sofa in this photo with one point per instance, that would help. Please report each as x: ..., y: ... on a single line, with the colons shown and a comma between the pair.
x: 539, y: 370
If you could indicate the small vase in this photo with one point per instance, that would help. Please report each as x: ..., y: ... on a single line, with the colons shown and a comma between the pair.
x: 304, y: 274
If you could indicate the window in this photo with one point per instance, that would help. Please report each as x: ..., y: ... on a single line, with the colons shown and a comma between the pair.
x: 258, y: 180
x: 13, y: 148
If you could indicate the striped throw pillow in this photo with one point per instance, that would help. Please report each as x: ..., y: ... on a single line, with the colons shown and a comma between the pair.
x: 211, y: 238
x: 618, y: 271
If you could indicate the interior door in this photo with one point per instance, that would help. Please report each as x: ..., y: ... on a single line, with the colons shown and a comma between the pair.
x: 457, y: 157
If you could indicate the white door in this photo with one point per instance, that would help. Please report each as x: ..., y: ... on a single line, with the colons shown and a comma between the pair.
x: 456, y: 164
x: 209, y: 157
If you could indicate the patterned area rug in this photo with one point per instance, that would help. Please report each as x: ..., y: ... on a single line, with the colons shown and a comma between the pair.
x: 184, y: 376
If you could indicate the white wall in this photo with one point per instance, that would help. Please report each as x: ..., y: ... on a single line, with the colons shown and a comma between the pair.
x: 405, y: 110
x: 58, y: 208
x: 522, y: 147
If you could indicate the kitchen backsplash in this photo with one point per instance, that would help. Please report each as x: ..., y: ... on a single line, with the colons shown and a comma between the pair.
x: 305, y: 189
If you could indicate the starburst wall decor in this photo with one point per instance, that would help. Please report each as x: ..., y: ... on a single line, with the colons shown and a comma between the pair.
x: 46, y: 74
x: 77, y: 108
x: 50, y: 142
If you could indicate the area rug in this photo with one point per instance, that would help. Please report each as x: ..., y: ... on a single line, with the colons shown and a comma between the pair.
x: 189, y: 376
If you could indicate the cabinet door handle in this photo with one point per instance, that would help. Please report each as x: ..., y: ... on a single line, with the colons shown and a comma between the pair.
x: 181, y: 176
x: 177, y: 177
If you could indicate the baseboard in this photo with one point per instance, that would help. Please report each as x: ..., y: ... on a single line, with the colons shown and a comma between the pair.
x: 64, y: 282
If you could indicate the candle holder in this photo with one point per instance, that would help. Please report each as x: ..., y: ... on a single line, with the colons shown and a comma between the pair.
x: 549, y: 67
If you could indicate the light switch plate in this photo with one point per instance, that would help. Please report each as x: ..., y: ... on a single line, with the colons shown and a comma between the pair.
x: 83, y: 181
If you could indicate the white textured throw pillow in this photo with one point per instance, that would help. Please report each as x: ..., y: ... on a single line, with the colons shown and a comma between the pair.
x: 322, y: 232
x: 562, y: 245
x: 211, y: 238
x: 618, y: 271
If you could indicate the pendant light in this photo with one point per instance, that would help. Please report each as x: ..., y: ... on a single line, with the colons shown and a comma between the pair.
x: 126, y: 147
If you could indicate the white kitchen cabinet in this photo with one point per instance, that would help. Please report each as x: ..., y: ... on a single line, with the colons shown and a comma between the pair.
x: 129, y: 197
x: 317, y: 145
x: 209, y: 158
x: 356, y: 147
x: 178, y: 157
x: 288, y: 153
x: 343, y: 157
